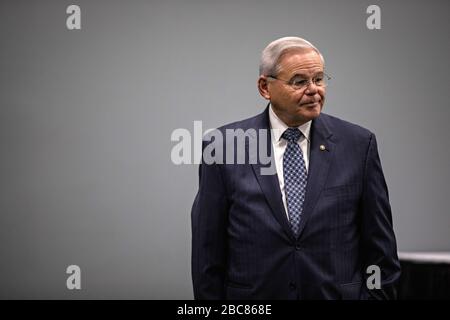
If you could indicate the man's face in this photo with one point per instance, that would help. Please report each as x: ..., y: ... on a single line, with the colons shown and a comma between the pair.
x: 295, y: 107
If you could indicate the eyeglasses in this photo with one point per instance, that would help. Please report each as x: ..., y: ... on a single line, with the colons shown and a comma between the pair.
x: 299, y: 83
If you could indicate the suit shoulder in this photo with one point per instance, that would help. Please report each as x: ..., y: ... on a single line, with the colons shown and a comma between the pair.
x: 346, y: 128
x: 245, y: 124
x: 241, y: 124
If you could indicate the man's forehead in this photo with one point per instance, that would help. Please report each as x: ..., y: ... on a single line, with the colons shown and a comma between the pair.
x: 300, y: 55
x: 302, y: 63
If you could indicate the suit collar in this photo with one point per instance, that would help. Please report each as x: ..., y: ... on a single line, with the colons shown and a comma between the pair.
x: 319, y: 125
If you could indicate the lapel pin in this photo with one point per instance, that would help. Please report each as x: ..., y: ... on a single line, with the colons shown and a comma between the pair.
x: 322, y: 147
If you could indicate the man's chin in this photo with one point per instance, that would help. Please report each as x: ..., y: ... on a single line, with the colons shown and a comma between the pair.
x: 304, y: 117
x: 310, y: 111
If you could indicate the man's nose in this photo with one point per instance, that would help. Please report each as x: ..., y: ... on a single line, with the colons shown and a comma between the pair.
x: 311, y: 88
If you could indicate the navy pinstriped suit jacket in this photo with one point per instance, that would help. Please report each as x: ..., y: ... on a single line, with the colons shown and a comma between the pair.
x: 243, y: 246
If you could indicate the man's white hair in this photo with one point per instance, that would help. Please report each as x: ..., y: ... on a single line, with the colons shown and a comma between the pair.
x: 271, y: 54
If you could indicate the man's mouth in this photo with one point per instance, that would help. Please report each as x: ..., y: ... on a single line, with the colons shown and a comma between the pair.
x: 310, y: 104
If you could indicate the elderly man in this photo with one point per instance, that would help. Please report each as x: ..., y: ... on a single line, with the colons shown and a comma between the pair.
x: 320, y: 227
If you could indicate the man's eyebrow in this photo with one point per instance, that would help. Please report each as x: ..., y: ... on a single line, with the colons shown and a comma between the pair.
x: 304, y: 75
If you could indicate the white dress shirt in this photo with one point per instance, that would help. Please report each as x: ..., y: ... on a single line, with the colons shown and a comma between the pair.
x: 279, y: 146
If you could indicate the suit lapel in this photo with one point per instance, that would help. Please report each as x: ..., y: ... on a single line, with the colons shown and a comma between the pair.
x: 269, y: 182
x: 319, y: 165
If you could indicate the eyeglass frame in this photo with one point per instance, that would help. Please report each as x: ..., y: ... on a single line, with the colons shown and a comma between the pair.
x: 309, y: 81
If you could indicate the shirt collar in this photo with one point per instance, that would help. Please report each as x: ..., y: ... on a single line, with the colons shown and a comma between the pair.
x: 278, y: 126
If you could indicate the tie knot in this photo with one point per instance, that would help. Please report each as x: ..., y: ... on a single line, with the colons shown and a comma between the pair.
x: 291, y: 134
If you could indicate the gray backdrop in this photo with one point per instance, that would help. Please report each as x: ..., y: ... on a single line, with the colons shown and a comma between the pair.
x: 86, y: 118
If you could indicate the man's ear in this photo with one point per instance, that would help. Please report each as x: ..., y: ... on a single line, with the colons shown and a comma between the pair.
x: 263, y: 87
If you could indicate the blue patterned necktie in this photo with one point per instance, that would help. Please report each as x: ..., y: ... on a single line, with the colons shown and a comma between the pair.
x: 295, y: 177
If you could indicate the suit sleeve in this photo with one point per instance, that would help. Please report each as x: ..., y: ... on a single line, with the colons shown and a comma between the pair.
x: 378, y: 240
x: 209, y: 227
